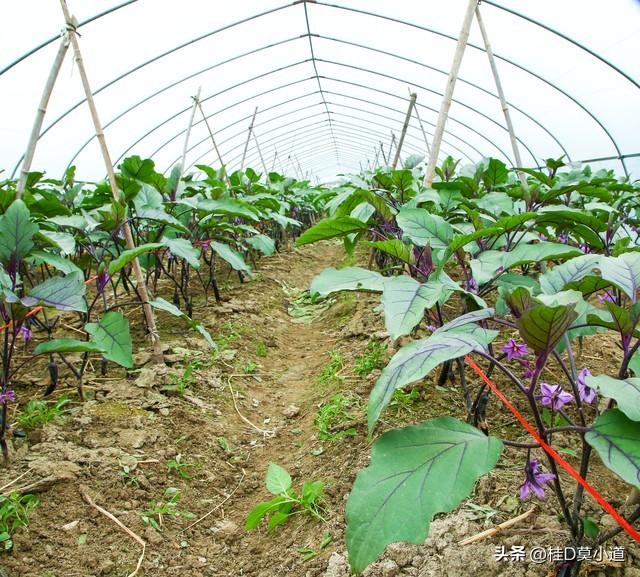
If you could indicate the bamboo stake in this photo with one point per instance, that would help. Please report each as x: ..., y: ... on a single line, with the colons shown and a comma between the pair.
x: 196, y: 99
x: 264, y: 166
x: 405, y: 127
x: 497, y: 529
x: 213, y: 140
x: 392, y: 143
x: 384, y: 156
x: 246, y: 144
x: 377, y: 157
x: 141, y: 285
x: 448, y: 95
x: 424, y: 132
x: 42, y: 110
x: 503, y: 100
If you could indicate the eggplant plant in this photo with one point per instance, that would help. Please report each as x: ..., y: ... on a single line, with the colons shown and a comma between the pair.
x: 536, y: 269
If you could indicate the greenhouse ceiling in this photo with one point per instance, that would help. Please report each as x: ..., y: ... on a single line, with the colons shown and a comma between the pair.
x: 331, y: 82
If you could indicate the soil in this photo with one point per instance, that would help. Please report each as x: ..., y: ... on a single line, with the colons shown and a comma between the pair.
x: 117, y: 446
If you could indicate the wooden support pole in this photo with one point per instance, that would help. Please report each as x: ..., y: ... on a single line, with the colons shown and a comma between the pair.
x: 377, y: 160
x: 503, y: 100
x: 42, y: 110
x: 264, y: 166
x: 275, y: 157
x: 424, y: 132
x: 213, y: 140
x: 392, y: 144
x: 384, y: 156
x: 140, y: 281
x: 196, y: 99
x: 448, y: 94
x: 246, y: 144
x: 299, y: 168
x: 405, y: 127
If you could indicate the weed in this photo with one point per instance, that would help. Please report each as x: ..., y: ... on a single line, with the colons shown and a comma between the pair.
x: 229, y: 333
x: 178, y: 383
x: 333, y: 416
x: 403, y: 400
x: 249, y: 367
x: 225, y: 445
x: 371, y: 359
x: 127, y: 475
x: 309, y: 553
x: 14, y: 513
x: 154, y: 516
x: 36, y: 413
x: 177, y: 466
x: 330, y: 374
x: 261, y: 349
x: 287, y: 502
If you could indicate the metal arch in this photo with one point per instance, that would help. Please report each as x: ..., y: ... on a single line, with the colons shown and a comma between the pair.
x: 264, y: 75
x: 155, y: 59
x: 444, y: 72
x: 380, y: 91
x: 174, y: 84
x: 567, y: 39
x: 54, y: 38
x: 241, y: 120
x: 295, y: 132
x: 472, y: 108
x: 373, y: 137
x: 503, y: 58
x: 315, y: 67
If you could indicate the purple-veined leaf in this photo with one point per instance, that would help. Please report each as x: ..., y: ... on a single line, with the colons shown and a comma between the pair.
x: 415, y: 472
x: 623, y: 271
x: 16, y: 232
x: 626, y: 393
x: 616, y: 438
x: 350, y: 278
x: 568, y: 272
x: 66, y: 293
x: 331, y: 228
x: 67, y: 346
x: 543, y: 326
x: 423, y: 228
x: 111, y: 333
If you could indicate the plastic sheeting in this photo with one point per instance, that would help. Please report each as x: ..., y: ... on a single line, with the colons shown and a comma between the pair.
x: 331, y: 82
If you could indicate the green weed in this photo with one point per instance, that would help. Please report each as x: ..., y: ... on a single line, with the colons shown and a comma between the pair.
x: 158, y: 510
x: 178, y: 466
x: 371, y: 359
x: 36, y: 413
x: 333, y: 415
x: 178, y: 384
x: 261, y: 349
x: 330, y: 375
x: 14, y: 513
x: 286, y: 502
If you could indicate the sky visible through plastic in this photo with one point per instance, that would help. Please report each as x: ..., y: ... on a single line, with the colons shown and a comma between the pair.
x: 331, y: 82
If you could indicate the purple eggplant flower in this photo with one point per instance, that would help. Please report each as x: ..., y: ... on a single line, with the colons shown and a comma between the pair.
x: 471, y: 286
x: 585, y: 248
x: 25, y: 333
x: 534, y: 480
x: 9, y: 396
x: 432, y: 328
x: 554, y: 396
x: 513, y: 350
x: 563, y: 237
x: 543, y: 237
x: 102, y: 281
x: 205, y: 245
x: 607, y: 296
x: 586, y: 393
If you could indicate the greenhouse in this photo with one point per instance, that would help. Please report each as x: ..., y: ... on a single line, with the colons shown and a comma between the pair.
x: 320, y: 289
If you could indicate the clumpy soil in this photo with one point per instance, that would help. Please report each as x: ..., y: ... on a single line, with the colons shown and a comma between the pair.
x: 254, y: 403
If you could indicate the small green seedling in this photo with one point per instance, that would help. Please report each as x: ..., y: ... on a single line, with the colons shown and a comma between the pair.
x: 330, y: 375
x: 178, y: 383
x: 250, y: 367
x: 261, y: 349
x: 14, y: 513
x: 224, y: 444
x: 36, y: 413
x: 158, y: 510
x: 402, y: 400
x: 286, y: 502
x: 371, y: 359
x: 127, y: 475
x: 177, y: 466
x: 309, y: 553
x: 332, y: 417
